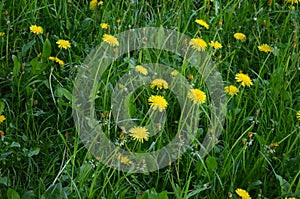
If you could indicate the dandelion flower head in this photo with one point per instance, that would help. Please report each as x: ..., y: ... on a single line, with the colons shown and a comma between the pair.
x: 104, y: 25
x: 298, y: 115
x: 36, y: 29
x: 231, y: 90
x: 215, y: 44
x: 197, y: 96
x: 292, y: 1
x: 202, y: 23
x: 57, y: 60
x: 111, y: 40
x: 159, y: 84
x: 174, y: 73
x: 139, y: 133
x: 265, y: 48
x: 2, y: 118
x: 240, y: 36
x: 141, y: 69
x: 94, y: 3
x: 157, y: 102
x: 243, y: 194
x: 198, y: 44
x: 244, y: 79
x: 63, y: 44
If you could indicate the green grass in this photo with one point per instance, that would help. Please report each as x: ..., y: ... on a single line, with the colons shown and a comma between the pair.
x: 42, y: 155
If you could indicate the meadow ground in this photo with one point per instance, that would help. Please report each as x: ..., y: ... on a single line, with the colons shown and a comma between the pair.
x: 253, y: 44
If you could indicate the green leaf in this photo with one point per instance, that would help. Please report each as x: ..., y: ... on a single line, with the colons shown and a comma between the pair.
x: 29, y: 195
x: 37, y: 66
x: 211, y: 163
x: 152, y: 194
x: 2, y: 106
x: 27, y: 46
x: 59, y: 92
x: 285, y: 186
x: 199, y: 168
x: 12, y: 194
x: 161, y: 38
x: 55, y: 191
x: 4, y: 180
x: 85, y: 172
x: 260, y: 139
x: 46, y: 49
x: 33, y: 152
x: 17, y: 66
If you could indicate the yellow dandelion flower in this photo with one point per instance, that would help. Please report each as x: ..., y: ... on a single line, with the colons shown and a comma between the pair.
x: 265, y: 48
x: 292, y: 1
x: 250, y: 134
x: 52, y: 58
x: 198, y: 44
x: 111, y: 40
x: 202, y: 23
x: 298, y: 115
x: 174, y: 73
x: 244, y: 79
x: 159, y: 84
x: 243, y: 194
x: 197, y: 96
x: 125, y: 160
x: 157, y: 102
x: 2, y: 34
x: 139, y: 133
x: 275, y: 144
x: 36, y: 29
x: 2, y: 118
x: 104, y: 25
x: 60, y: 62
x: 141, y: 69
x: 93, y: 4
x: 290, y: 198
x: 240, y: 36
x: 216, y: 44
x: 231, y: 90
x: 63, y: 44
x: 57, y: 60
